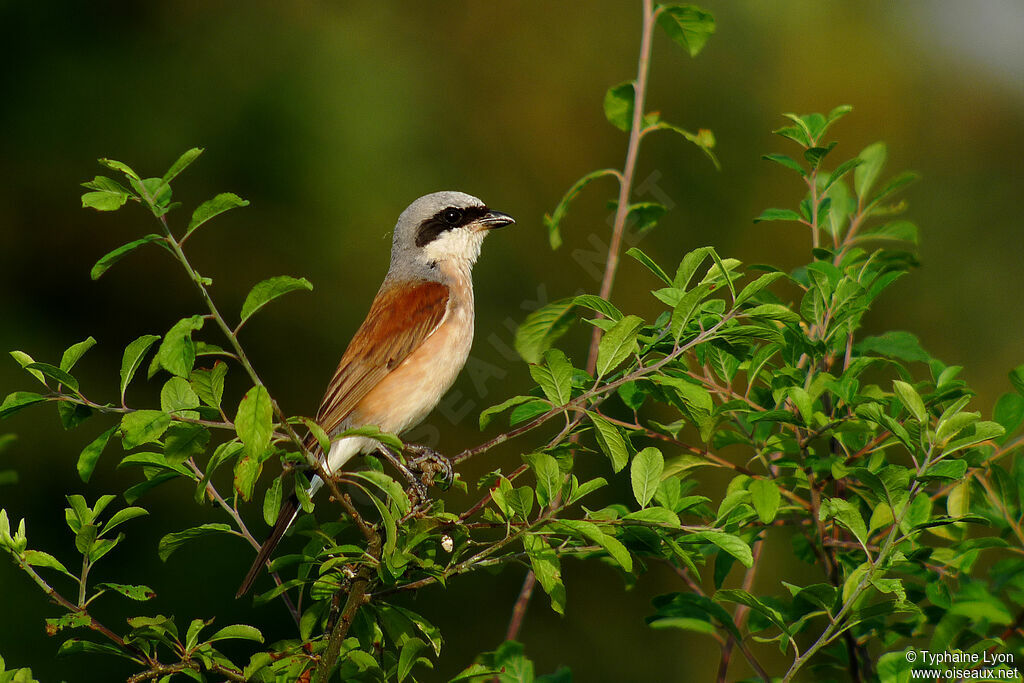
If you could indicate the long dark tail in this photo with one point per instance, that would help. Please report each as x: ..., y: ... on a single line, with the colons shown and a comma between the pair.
x: 284, y: 520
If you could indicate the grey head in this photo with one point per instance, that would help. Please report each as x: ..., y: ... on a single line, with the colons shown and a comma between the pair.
x: 441, y: 231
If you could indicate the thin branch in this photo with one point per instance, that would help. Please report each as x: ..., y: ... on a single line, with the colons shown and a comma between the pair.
x: 628, y: 170
x: 580, y: 401
x: 357, y: 597
x: 246, y: 534
x: 522, y: 603
x: 95, y: 625
x: 740, y: 618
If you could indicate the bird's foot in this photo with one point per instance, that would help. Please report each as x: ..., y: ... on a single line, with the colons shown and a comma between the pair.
x: 417, y: 490
x: 429, y: 463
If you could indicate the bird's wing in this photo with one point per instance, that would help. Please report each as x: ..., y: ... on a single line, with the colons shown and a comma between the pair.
x: 400, y: 319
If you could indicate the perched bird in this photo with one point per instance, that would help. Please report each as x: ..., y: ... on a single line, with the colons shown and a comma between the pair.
x: 414, y: 341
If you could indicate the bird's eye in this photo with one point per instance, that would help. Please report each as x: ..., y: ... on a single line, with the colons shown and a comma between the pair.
x: 452, y: 216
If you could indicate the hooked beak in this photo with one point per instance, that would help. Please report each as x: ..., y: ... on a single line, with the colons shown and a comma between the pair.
x: 495, y: 219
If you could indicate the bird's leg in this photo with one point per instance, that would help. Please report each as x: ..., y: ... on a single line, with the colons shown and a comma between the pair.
x: 429, y: 462
x: 417, y: 490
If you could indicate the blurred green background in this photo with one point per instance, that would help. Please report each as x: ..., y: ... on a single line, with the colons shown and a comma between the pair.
x: 332, y: 117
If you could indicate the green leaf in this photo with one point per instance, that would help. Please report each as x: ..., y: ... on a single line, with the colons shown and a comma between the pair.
x: 177, y: 352
x: 549, y: 477
x: 133, y: 493
x: 596, y: 303
x: 178, y: 399
x: 553, y: 220
x: 104, y: 264
x: 54, y: 373
x: 744, y: 598
x: 977, y: 433
x: 272, y: 502
x: 872, y: 160
x: 74, y: 353
x: 1017, y: 379
x: 610, y: 440
x: 134, y: 354
x: 911, y: 400
x: 237, y: 632
x: 656, y: 515
x: 773, y: 312
x: 778, y: 215
x: 897, y: 231
x: 542, y: 329
x: 766, y: 497
x: 268, y: 290
x: 554, y: 376
x: 814, y: 155
x: 618, y: 344
x: 895, y: 344
x: 104, y: 200
x: 586, y: 488
x: 214, y: 207
x: 143, y: 426
x: 648, y: 263
x: 37, y: 558
x: 154, y: 193
x: 734, y: 545
x: 373, y: 432
x: 893, y: 185
x: 949, y: 470
x: 757, y: 285
x: 105, y: 184
x: 408, y: 656
x: 520, y: 502
x: 209, y: 384
x: 75, y: 646
x: 488, y: 414
x: 840, y: 171
x: 610, y: 544
x: 687, y: 25
x: 645, y: 474
x: 171, y: 542
x: 182, y: 163
x: 25, y: 360
x: 192, y: 635
x: 254, y: 421
x: 119, y: 166
x: 846, y: 514
x: 786, y: 161
x: 122, y: 516
x: 1009, y: 412
x: 618, y: 105
x: 317, y: 432
x: 684, y: 623
x: 547, y: 569
x: 894, y: 667
x: 391, y: 488
x: 184, y: 441
x: 704, y: 138
x: 90, y: 455
x: 688, y: 266
x: 642, y: 217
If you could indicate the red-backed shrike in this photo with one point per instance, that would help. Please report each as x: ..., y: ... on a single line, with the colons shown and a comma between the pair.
x: 414, y: 341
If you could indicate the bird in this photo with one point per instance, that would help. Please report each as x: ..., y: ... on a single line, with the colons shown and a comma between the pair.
x: 413, y: 343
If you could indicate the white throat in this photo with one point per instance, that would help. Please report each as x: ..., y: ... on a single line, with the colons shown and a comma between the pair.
x: 460, y: 248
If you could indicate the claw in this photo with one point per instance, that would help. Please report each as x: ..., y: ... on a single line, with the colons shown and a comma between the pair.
x: 417, y: 490
x: 429, y: 462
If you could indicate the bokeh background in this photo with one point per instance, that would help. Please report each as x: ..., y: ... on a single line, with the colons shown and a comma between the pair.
x: 330, y: 117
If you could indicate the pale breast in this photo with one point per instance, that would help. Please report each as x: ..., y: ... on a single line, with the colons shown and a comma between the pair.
x: 408, y: 393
